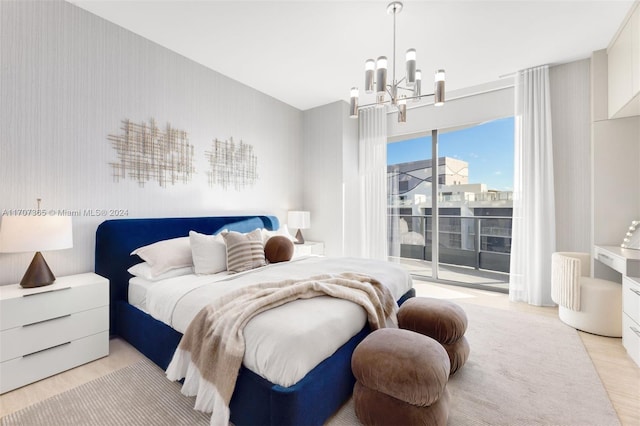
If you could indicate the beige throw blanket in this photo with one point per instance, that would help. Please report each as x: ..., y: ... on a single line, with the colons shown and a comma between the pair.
x: 210, y: 353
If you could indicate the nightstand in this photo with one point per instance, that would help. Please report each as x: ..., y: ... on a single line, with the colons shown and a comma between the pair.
x: 50, y: 329
x: 309, y: 248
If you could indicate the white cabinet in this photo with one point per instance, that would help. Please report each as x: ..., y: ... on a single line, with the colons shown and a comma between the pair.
x: 631, y: 317
x: 309, y: 248
x: 50, y: 329
x: 624, y: 68
x: 627, y: 263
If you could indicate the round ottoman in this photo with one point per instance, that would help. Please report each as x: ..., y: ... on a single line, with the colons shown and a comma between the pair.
x: 441, y: 320
x: 401, y: 378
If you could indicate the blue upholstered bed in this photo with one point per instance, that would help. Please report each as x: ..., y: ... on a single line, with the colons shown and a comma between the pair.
x: 255, y: 401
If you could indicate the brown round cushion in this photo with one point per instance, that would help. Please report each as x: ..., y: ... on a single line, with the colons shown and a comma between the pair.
x: 278, y: 249
x: 458, y: 353
x: 376, y: 408
x: 440, y: 319
x: 402, y: 364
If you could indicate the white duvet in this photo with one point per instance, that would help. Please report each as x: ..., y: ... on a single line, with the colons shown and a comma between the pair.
x: 285, y: 343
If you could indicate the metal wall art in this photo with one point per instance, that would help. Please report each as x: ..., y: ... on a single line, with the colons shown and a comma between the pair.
x: 146, y: 153
x: 231, y: 164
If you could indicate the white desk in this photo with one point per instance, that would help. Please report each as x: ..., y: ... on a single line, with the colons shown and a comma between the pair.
x: 627, y: 262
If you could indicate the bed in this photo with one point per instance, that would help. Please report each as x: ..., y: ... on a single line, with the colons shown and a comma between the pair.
x: 256, y: 400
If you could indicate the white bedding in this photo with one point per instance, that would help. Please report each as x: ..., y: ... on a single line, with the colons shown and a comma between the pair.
x: 282, y: 344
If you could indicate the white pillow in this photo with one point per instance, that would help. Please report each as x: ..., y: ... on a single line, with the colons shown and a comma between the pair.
x: 209, y: 253
x: 143, y: 270
x: 166, y: 255
x: 283, y: 230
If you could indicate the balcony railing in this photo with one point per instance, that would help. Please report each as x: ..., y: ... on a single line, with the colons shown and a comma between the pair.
x: 478, y: 242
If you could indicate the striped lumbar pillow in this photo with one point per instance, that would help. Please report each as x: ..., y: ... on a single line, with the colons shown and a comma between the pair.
x: 244, y: 251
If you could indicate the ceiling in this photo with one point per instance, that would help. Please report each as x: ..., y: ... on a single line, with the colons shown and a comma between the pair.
x: 310, y: 53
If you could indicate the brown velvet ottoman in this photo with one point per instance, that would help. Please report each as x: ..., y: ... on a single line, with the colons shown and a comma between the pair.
x: 401, y: 379
x: 441, y: 320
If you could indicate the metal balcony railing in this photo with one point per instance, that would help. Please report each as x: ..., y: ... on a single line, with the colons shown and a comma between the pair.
x: 479, y: 242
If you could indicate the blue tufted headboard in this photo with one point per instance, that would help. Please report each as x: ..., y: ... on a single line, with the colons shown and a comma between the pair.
x: 116, y: 239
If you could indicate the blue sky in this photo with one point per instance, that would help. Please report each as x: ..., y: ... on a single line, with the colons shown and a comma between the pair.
x: 488, y: 148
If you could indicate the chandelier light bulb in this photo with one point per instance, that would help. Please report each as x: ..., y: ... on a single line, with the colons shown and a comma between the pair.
x: 381, y: 78
x: 411, y: 67
x: 353, y: 105
x: 417, y: 88
x: 402, y: 109
x: 438, y: 98
x: 369, y: 70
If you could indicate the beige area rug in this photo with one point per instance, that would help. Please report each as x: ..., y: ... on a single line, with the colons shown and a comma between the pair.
x: 136, y: 395
x: 524, y: 369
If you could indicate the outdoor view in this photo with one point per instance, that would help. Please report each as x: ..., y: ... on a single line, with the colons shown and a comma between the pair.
x: 475, y: 184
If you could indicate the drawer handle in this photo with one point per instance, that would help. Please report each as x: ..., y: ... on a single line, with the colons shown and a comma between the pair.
x: 50, y: 319
x: 47, y: 291
x: 42, y: 350
x: 601, y: 255
x: 635, y: 291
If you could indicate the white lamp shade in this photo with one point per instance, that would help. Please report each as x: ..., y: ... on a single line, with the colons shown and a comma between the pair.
x: 35, y: 233
x: 299, y: 219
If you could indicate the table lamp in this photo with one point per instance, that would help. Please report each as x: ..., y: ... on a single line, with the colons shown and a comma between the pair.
x: 35, y: 233
x: 300, y: 220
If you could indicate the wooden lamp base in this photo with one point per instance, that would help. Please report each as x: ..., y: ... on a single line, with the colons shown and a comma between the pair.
x: 38, y: 274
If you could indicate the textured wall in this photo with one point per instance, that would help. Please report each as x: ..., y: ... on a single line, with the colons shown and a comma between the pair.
x: 615, y: 149
x: 323, y: 177
x: 571, y: 124
x: 69, y: 78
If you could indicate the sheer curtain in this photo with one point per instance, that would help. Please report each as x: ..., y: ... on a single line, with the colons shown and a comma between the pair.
x: 373, y: 183
x: 533, y: 234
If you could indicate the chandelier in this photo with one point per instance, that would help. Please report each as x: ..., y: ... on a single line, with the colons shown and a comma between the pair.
x: 375, y: 80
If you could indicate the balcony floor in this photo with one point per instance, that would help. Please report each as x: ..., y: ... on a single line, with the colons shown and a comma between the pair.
x: 460, y: 275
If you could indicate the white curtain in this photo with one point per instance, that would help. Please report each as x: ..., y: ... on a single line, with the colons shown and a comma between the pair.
x: 372, y: 169
x: 534, y: 234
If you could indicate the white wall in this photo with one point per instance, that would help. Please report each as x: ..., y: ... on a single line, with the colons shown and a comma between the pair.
x: 615, y: 146
x: 571, y: 132
x: 330, y: 160
x: 464, y: 107
x: 69, y: 78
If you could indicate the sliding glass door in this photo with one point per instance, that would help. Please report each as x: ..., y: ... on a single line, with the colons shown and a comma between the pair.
x: 469, y: 188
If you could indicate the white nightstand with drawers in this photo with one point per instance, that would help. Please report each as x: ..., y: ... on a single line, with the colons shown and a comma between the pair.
x: 309, y: 248
x: 50, y: 329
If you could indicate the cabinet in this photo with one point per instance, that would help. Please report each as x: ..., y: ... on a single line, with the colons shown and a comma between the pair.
x: 624, y: 68
x: 631, y: 317
x: 50, y: 329
x: 626, y: 262
x: 309, y: 248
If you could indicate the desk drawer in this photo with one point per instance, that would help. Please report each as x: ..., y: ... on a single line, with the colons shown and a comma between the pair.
x: 631, y: 338
x: 612, y: 261
x: 24, y: 340
x: 631, y: 299
x: 18, y: 372
x: 33, y: 308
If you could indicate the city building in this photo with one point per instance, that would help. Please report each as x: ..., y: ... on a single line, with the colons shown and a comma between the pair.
x: 464, y: 208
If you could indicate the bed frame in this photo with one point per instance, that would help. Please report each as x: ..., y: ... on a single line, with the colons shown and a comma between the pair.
x: 255, y: 401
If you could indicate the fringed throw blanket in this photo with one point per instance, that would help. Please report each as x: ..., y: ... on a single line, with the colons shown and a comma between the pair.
x: 210, y: 353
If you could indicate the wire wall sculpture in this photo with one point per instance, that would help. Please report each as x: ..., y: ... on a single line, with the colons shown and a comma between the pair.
x: 231, y: 164
x: 146, y: 153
